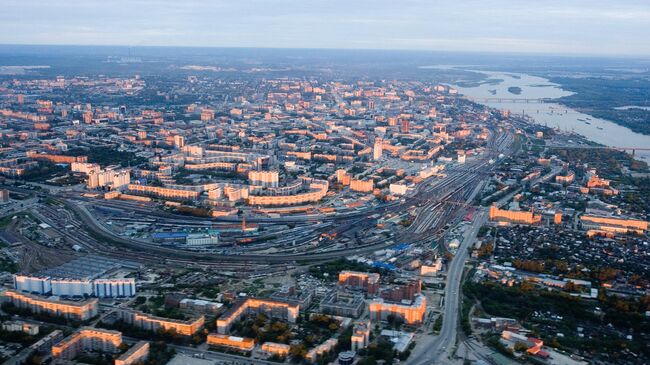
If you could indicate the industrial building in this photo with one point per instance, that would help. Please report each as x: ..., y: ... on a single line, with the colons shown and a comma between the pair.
x: 84, y: 276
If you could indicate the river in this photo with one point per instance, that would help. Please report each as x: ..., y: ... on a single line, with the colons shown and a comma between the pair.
x: 552, y: 114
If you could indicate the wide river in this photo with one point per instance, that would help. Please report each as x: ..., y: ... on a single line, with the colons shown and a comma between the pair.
x: 551, y: 114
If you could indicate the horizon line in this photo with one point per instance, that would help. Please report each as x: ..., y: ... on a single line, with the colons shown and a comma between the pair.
x: 495, y: 53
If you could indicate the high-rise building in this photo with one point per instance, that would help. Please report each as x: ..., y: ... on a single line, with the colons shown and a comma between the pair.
x: 109, y: 178
x: 377, y: 149
x: 88, y: 117
x: 4, y: 196
x: 179, y: 141
x: 264, y: 178
x: 207, y: 114
x: 405, y: 126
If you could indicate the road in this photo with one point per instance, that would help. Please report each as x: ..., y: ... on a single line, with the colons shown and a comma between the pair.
x: 220, y: 357
x: 437, y: 350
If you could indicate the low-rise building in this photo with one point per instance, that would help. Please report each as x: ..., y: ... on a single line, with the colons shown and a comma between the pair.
x: 19, y: 326
x: 278, y: 349
x: 325, y: 347
x: 199, y: 305
x: 233, y: 342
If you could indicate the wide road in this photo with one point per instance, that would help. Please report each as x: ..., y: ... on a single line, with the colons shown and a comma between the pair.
x: 437, y: 350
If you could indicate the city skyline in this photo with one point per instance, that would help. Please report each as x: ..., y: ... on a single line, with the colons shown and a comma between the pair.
x: 500, y: 26
x: 263, y: 182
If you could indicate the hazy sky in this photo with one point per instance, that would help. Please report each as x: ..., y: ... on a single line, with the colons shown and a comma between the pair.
x: 616, y: 27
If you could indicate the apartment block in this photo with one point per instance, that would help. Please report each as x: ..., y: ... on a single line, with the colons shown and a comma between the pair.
x: 87, y: 339
x: 78, y: 310
x: 272, y: 308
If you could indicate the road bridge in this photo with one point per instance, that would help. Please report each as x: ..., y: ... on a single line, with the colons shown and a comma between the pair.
x: 497, y: 100
x: 588, y: 147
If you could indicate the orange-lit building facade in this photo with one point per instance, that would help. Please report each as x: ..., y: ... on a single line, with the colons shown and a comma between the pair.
x: 78, y: 310
x: 272, y: 308
x: 360, y: 335
x: 138, y: 353
x: 152, y: 323
x: 321, y: 349
x: 56, y: 158
x: 279, y: 349
x: 362, y: 186
x: 87, y: 339
x: 410, y: 313
x: 20, y: 115
x: 237, y: 343
x: 342, y: 177
x: 597, y: 182
x: 318, y: 190
x: 161, y: 192
x: 360, y: 280
x: 510, y: 216
x: 207, y: 114
x: 557, y: 218
x: 227, y: 166
x: 264, y: 178
x: 613, y: 225
x: 565, y: 179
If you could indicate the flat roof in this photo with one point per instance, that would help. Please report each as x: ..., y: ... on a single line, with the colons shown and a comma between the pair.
x: 86, y: 267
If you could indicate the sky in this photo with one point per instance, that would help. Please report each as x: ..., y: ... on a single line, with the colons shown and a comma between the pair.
x: 567, y: 27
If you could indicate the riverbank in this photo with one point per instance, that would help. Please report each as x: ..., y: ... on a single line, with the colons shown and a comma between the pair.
x: 610, y: 99
x: 554, y: 114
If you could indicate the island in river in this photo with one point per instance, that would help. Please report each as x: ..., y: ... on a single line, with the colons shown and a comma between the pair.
x: 514, y: 90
